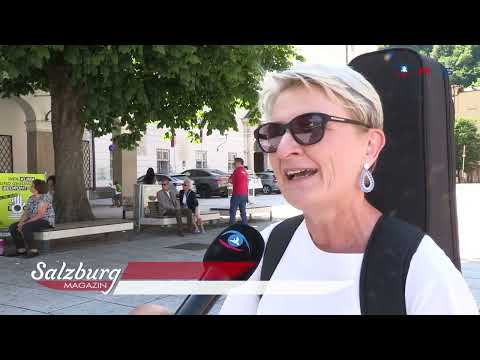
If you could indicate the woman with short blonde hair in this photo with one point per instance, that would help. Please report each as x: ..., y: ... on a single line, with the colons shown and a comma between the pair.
x: 322, y: 130
x: 188, y: 199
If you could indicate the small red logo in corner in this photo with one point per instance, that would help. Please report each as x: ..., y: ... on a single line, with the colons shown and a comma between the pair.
x: 424, y: 70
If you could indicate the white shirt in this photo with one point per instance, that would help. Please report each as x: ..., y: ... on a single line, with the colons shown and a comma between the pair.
x: 434, y: 285
x: 185, y: 199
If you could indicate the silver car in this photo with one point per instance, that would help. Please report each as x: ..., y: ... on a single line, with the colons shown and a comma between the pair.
x: 269, y: 182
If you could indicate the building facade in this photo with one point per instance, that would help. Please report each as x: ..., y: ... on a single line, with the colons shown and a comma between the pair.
x: 26, y: 142
x: 215, y: 151
x: 467, y: 106
x: 466, y: 102
x: 26, y: 145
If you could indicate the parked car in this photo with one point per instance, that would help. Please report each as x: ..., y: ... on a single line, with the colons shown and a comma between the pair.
x: 176, y: 181
x: 209, y: 182
x: 269, y: 182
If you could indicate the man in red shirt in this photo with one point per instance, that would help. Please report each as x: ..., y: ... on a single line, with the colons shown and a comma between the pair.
x: 239, y: 199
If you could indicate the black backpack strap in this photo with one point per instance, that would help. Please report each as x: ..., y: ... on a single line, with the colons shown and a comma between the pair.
x: 385, y: 266
x: 277, y: 244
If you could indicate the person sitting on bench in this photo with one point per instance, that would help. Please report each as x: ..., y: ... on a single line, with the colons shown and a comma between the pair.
x: 168, y: 206
x: 51, y: 186
x: 117, y: 197
x: 188, y: 199
x: 38, y: 215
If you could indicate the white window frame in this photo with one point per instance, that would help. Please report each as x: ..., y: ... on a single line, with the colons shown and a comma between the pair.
x: 163, y: 156
x: 201, y: 159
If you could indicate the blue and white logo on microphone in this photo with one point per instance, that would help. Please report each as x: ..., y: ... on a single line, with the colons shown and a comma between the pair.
x: 235, y: 239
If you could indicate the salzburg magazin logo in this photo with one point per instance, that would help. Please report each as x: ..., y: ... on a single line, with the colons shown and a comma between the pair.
x: 76, y: 279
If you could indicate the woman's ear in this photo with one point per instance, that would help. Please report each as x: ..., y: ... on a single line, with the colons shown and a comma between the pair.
x: 376, y: 142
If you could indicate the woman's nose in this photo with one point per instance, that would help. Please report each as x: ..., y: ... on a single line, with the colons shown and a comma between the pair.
x: 288, y: 146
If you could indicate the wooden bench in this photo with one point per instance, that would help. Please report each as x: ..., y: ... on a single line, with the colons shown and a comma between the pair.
x: 154, y: 217
x: 101, y: 193
x: 168, y: 220
x: 82, y: 228
x: 251, y: 210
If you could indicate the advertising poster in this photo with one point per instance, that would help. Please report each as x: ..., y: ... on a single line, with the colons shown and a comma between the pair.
x: 14, y: 194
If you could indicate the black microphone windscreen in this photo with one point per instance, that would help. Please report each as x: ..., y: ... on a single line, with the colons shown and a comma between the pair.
x: 237, y: 243
x: 233, y: 255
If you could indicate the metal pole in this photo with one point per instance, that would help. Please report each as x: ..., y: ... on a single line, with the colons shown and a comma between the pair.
x: 463, y: 161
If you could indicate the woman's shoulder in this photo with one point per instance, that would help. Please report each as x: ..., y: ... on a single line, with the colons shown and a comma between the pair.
x: 428, y: 252
x: 435, y: 285
x: 268, y: 230
x: 431, y: 253
x: 431, y: 260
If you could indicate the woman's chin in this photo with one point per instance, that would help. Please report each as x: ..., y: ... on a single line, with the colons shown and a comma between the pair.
x: 300, y: 199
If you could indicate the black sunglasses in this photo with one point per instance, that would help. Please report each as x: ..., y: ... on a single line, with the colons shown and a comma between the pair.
x: 164, y: 184
x: 306, y: 129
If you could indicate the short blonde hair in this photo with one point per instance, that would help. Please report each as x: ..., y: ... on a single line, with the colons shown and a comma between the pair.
x: 342, y: 83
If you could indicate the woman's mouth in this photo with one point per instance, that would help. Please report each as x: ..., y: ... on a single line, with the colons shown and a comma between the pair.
x: 292, y: 174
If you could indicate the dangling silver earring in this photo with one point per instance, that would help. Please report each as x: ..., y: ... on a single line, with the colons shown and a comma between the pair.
x: 366, y: 174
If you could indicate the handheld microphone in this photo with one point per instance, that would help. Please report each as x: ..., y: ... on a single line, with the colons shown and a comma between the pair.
x: 238, y: 243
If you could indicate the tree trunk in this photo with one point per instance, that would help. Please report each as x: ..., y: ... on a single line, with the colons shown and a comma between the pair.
x: 71, y: 202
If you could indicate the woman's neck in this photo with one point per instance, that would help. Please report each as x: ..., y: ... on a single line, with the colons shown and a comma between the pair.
x: 343, y: 229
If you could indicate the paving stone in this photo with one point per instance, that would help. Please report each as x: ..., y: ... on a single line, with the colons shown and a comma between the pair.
x: 95, y: 307
x: 127, y: 300
x: 37, y: 300
x: 171, y: 302
x: 12, y: 310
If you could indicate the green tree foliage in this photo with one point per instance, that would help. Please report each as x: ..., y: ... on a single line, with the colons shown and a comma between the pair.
x: 466, y: 133
x: 100, y: 87
x: 141, y: 84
